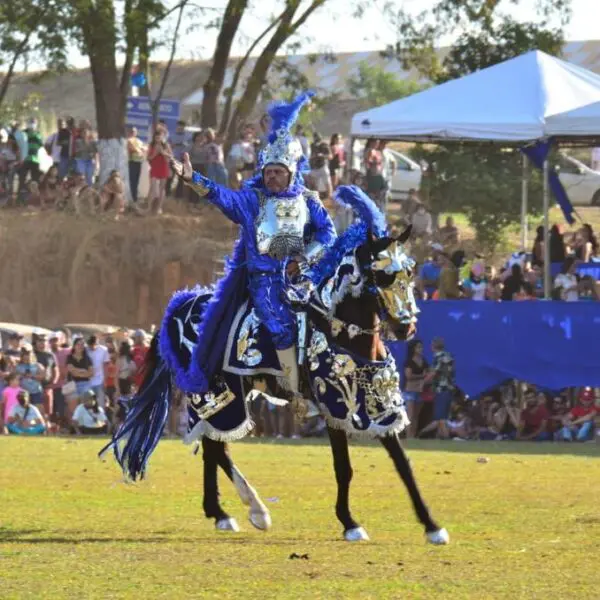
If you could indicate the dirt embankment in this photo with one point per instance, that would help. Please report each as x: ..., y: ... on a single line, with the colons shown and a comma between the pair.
x: 57, y: 268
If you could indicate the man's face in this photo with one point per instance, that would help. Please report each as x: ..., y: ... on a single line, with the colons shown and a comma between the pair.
x: 60, y: 124
x: 54, y: 344
x: 40, y: 344
x: 276, y: 177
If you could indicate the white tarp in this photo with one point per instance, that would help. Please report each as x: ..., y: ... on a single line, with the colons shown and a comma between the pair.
x: 517, y: 100
x: 581, y: 121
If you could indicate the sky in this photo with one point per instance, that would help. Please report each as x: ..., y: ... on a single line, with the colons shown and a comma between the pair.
x: 349, y: 34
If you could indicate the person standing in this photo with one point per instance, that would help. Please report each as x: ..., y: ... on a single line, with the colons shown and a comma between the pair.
x: 443, y: 382
x: 52, y: 145
x: 86, y: 154
x: 180, y: 143
x: 31, y: 164
x: 159, y: 152
x: 100, y: 358
x: 48, y: 362
x: 136, y: 151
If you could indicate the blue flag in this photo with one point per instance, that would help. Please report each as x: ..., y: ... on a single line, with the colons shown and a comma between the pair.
x: 537, y: 155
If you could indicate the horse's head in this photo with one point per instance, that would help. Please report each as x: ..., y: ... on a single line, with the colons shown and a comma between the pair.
x: 388, y: 272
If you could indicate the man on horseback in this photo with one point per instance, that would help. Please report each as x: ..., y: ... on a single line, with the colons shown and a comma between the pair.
x: 283, y: 226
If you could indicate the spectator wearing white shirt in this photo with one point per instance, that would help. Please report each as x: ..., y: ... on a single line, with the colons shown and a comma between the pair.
x: 24, y: 418
x: 52, y: 146
x: 89, y: 418
x: 566, y: 281
x: 100, y: 358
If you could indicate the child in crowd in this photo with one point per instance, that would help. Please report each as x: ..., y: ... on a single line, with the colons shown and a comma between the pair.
x: 9, y: 399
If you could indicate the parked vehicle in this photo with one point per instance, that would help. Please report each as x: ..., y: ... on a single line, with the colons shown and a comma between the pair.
x: 581, y: 183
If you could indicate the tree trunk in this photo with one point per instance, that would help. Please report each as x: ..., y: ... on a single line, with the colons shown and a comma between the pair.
x: 285, y: 29
x: 144, y: 62
x: 214, y: 83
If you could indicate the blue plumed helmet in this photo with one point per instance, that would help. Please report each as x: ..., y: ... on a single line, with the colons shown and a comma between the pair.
x: 283, y: 147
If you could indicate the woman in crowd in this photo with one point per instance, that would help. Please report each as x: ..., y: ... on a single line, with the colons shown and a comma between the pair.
x: 32, y: 374
x: 79, y: 373
x: 136, y: 152
x: 159, y: 152
x: 337, y: 161
x: 537, y: 252
x: 9, y: 398
x: 9, y: 161
x: 198, y: 159
x: 567, y: 281
x: 215, y: 161
x: 586, y: 244
x: 415, y: 369
x: 513, y: 283
x: 89, y: 417
x: 51, y: 191
x: 373, y: 160
x: 558, y: 250
x: 475, y: 286
x: 25, y: 418
x: 126, y: 369
x: 86, y: 153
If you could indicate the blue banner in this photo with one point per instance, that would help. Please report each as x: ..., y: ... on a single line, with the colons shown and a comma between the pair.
x: 537, y: 154
x: 139, y: 114
x: 551, y: 344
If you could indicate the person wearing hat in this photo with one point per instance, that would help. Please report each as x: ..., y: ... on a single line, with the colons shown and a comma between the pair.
x: 15, y: 342
x: 24, y: 418
x: 283, y: 226
x: 89, y: 417
x: 138, y: 354
x: 579, y: 423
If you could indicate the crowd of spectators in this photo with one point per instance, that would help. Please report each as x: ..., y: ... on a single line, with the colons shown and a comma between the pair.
x: 513, y: 411
x: 60, y: 384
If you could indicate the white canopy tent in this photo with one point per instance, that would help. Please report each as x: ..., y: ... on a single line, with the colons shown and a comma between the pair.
x: 516, y: 102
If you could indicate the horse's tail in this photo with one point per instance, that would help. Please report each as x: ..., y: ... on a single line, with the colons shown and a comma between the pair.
x: 135, y: 440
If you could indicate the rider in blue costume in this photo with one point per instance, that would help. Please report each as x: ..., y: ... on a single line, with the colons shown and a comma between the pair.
x: 282, y: 225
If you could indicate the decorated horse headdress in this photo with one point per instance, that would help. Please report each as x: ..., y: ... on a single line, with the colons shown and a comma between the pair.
x: 366, y: 255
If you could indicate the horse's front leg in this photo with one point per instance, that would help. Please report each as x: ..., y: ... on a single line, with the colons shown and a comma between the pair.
x: 435, y: 534
x: 211, y: 456
x: 338, y: 439
x: 258, y: 513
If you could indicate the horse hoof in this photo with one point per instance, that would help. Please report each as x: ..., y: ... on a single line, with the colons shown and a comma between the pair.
x: 357, y: 534
x: 260, y: 520
x: 228, y: 524
x: 441, y: 537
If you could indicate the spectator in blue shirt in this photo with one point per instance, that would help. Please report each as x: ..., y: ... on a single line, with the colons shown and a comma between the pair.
x: 429, y: 273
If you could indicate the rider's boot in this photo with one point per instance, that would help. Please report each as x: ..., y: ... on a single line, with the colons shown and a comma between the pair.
x: 288, y: 361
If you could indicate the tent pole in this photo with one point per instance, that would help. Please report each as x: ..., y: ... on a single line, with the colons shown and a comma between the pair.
x: 350, y: 161
x: 547, y: 270
x: 524, y: 209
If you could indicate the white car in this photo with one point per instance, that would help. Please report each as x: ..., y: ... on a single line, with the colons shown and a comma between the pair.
x: 581, y: 183
x: 406, y: 175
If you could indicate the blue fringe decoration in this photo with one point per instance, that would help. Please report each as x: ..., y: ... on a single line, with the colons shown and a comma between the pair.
x: 364, y: 207
x: 182, y: 378
x: 144, y: 424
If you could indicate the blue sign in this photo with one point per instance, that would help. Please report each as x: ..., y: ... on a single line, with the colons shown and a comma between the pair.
x: 139, y: 114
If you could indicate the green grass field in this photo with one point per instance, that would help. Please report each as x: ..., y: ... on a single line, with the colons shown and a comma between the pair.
x: 524, y: 525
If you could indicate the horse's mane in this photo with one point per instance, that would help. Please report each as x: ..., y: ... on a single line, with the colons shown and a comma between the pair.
x: 372, y: 221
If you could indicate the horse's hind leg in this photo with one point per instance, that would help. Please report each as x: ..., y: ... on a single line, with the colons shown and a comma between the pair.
x: 258, y: 514
x: 435, y: 534
x: 353, y: 532
x: 212, y: 509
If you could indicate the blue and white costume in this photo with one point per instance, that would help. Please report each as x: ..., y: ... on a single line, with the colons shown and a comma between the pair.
x: 274, y: 228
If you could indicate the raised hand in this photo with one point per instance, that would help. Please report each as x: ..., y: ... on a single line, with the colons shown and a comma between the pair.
x: 184, y: 169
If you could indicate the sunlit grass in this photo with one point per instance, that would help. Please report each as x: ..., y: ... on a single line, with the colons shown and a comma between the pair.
x: 523, y: 525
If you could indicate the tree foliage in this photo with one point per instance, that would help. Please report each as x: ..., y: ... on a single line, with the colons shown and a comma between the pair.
x: 483, y: 181
x: 30, y: 30
x: 376, y: 86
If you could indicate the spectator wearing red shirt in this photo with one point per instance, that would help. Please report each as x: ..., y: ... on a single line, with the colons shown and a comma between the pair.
x: 533, y: 424
x: 138, y: 353
x: 579, y: 423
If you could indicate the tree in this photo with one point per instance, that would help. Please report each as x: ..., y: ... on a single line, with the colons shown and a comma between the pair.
x: 30, y: 29
x: 102, y: 33
x: 289, y: 23
x: 482, y: 181
x: 214, y: 82
x: 376, y: 86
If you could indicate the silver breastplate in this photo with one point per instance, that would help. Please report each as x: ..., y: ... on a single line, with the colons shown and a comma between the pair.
x: 280, y: 226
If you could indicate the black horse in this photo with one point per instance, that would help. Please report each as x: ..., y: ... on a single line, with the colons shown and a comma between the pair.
x: 361, y: 290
